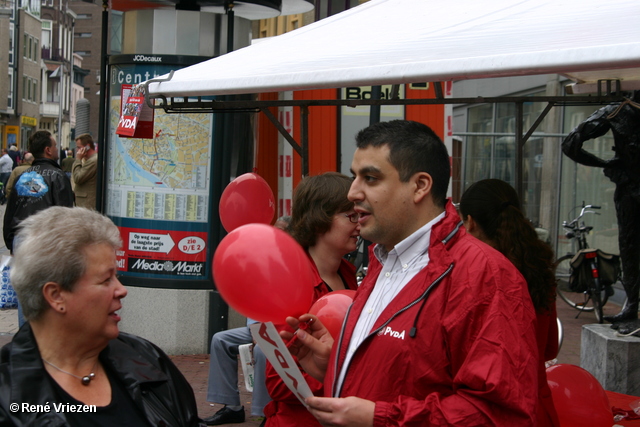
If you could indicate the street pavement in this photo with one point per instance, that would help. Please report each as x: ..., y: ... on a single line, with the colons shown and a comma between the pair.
x: 195, y: 367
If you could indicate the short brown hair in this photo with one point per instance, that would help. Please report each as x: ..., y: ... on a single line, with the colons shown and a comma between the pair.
x: 316, y: 200
x: 85, y: 139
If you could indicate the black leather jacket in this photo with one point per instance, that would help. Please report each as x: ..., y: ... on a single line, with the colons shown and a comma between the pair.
x: 154, y: 383
x: 41, y: 186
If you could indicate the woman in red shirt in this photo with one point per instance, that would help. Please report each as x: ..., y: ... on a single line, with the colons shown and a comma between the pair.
x: 324, y: 223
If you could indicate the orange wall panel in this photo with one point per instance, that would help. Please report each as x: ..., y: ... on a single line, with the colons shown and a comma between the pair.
x: 430, y: 115
x: 323, y: 134
x: 266, y: 164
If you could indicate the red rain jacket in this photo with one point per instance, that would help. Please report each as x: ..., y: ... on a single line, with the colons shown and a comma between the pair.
x: 473, y: 360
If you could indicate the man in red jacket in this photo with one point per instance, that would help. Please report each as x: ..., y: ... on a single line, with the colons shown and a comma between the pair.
x: 441, y: 331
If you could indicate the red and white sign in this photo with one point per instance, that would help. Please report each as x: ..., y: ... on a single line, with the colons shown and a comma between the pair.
x: 136, y: 118
x: 275, y: 350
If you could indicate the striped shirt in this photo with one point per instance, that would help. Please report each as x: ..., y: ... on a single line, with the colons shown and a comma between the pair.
x: 399, y: 266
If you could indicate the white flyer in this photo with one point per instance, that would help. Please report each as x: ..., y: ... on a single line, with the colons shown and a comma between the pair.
x: 275, y: 350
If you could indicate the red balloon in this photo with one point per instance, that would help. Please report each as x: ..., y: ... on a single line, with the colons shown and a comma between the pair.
x: 331, y: 309
x: 247, y: 199
x: 578, y: 397
x: 263, y: 273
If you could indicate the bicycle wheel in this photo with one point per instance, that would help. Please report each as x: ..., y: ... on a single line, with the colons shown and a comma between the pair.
x: 582, y: 301
x: 578, y: 300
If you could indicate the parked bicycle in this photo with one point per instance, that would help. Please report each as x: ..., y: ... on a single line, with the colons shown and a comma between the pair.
x: 584, y: 278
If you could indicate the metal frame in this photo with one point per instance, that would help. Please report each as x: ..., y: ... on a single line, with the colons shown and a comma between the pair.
x: 199, y: 104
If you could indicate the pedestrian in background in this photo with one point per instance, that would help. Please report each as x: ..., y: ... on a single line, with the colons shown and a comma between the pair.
x: 6, y: 166
x: 85, y: 172
x: 67, y: 163
x: 15, y: 174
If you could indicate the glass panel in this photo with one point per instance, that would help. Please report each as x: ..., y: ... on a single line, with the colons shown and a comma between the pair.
x: 116, y: 32
x: 479, y: 148
x: 589, y: 185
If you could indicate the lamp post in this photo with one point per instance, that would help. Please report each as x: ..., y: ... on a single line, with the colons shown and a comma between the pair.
x: 102, y: 108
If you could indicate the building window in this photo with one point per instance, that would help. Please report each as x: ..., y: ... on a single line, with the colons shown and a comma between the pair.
x: 84, y: 16
x: 46, y: 34
x: 29, y: 89
x: 83, y: 53
x: 29, y: 50
x: 10, y: 95
x: 82, y: 35
x: 11, y: 44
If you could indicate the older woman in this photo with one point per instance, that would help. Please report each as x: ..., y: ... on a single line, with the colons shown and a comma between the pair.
x: 324, y: 223
x: 490, y: 210
x: 70, y: 354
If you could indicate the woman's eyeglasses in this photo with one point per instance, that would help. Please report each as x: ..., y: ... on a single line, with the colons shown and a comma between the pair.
x: 353, y: 217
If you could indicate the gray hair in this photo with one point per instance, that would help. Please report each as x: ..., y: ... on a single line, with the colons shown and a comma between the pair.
x: 48, y: 251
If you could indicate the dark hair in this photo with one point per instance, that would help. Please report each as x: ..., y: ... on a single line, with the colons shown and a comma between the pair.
x: 495, y: 207
x: 38, y: 142
x: 413, y: 148
x: 86, y: 139
x: 316, y: 200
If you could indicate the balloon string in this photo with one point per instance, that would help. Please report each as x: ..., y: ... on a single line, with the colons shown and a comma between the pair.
x: 304, y: 326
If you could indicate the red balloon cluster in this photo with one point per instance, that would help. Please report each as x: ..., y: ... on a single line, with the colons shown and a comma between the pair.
x: 247, y: 199
x: 263, y: 273
x: 578, y: 397
x: 332, y: 308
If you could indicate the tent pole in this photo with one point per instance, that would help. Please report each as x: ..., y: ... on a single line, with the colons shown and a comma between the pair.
x: 230, y: 22
x: 519, y: 149
x: 374, y: 111
x: 304, y: 139
x: 282, y: 130
x: 437, y: 87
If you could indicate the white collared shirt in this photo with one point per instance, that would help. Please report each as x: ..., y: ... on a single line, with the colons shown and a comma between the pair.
x: 399, y: 266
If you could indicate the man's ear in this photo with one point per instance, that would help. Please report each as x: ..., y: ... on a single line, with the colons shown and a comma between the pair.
x: 424, y: 184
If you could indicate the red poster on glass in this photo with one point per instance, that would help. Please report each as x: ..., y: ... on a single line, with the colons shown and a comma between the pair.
x: 136, y: 118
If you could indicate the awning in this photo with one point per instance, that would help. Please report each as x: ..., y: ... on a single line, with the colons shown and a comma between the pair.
x: 406, y: 41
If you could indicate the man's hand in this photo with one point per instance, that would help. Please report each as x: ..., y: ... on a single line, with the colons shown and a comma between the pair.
x: 82, y: 152
x: 312, y: 347
x: 348, y: 411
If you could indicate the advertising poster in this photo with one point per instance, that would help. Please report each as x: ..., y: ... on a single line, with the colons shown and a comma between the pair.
x: 136, y: 119
x: 158, y: 187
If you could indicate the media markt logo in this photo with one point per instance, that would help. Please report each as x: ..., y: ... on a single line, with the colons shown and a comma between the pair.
x: 174, y: 268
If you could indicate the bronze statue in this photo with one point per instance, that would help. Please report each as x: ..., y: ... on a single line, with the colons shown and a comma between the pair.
x: 623, y: 119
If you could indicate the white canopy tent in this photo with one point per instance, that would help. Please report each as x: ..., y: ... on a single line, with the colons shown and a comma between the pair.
x: 404, y: 41
x: 414, y: 41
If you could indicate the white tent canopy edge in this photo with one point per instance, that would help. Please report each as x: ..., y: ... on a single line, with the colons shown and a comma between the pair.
x: 405, y: 41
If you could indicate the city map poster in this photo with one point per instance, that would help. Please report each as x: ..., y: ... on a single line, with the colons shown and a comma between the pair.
x: 163, y: 252
x: 136, y: 118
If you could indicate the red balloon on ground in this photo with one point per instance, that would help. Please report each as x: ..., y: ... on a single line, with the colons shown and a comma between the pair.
x: 263, y: 273
x: 248, y: 199
x: 578, y: 397
x: 331, y: 309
